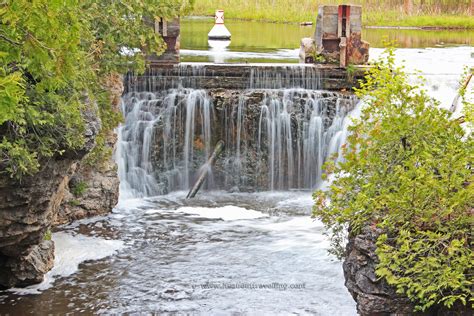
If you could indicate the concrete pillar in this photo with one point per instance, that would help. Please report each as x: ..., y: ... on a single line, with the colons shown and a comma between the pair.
x: 170, y: 31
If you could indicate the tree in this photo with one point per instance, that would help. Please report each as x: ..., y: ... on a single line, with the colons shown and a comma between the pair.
x: 408, y: 172
x: 53, y: 55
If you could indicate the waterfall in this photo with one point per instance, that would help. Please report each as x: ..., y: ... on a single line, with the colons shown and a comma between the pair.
x: 285, y: 76
x: 165, y: 137
x: 275, y: 138
x: 296, y: 153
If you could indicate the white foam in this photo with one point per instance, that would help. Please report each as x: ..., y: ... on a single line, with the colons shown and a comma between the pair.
x: 131, y: 203
x: 70, y: 251
x: 305, y: 200
x: 300, y: 223
x: 226, y: 213
x: 227, y: 54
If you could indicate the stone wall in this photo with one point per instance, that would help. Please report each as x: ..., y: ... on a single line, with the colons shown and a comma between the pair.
x: 245, y: 76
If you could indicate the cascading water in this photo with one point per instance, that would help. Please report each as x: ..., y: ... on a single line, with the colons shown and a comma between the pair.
x: 163, y: 125
x: 276, y: 138
x: 297, y: 140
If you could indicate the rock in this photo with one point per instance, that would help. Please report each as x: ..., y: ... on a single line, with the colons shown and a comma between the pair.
x: 307, y: 50
x: 94, y: 190
x: 234, y: 189
x: 29, y: 208
x: 373, y: 296
x: 101, y: 189
x: 28, y: 268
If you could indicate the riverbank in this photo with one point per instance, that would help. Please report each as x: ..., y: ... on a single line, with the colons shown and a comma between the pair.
x: 282, y: 11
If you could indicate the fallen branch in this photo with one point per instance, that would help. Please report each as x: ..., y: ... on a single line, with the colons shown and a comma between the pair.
x: 205, y: 169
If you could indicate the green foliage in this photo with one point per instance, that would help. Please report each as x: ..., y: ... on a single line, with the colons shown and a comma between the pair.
x: 407, y: 170
x: 318, y: 58
x: 53, y: 55
x: 79, y: 188
x: 466, y: 100
x: 74, y: 202
x: 47, y: 235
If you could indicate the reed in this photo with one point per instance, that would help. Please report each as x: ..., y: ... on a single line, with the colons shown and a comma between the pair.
x: 433, y: 13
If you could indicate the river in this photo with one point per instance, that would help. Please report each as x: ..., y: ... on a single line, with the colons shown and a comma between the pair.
x: 221, y: 253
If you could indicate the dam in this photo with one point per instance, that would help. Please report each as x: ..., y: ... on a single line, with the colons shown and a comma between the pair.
x: 279, y: 122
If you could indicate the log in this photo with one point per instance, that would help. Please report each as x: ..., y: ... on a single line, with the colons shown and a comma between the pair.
x: 205, y: 169
x: 454, y: 105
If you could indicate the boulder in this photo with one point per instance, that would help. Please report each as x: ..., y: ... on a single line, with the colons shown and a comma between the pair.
x: 29, y: 267
x: 372, y: 295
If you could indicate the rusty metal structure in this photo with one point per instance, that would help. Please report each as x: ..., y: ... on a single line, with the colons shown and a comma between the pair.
x: 338, y: 37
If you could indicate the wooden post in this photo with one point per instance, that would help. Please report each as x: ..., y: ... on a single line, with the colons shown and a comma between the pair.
x: 205, y: 169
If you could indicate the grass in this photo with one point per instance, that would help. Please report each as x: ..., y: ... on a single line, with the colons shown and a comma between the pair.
x: 434, y: 13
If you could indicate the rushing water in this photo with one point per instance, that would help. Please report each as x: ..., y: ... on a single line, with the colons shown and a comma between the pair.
x: 221, y: 253
x: 279, y: 141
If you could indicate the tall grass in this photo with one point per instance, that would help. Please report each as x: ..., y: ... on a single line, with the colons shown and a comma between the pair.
x: 441, y: 13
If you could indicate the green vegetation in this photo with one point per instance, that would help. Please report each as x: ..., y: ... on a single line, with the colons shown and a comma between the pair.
x: 408, y: 171
x: 79, y: 188
x: 74, y: 202
x: 441, y: 13
x: 53, y: 55
x: 47, y: 235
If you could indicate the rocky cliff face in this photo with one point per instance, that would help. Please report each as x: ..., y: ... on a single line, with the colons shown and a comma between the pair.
x: 28, y: 209
x: 374, y: 296
x: 93, y: 189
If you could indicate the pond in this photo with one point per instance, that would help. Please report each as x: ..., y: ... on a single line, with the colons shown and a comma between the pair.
x: 277, y: 42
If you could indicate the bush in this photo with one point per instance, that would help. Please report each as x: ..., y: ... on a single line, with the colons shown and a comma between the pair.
x: 79, y: 189
x: 53, y: 55
x: 407, y: 170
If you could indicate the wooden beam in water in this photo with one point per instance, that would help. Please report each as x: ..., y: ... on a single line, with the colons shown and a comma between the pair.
x: 205, y: 169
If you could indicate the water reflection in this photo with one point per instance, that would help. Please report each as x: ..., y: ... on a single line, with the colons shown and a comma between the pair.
x: 273, y: 42
x: 218, y: 49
